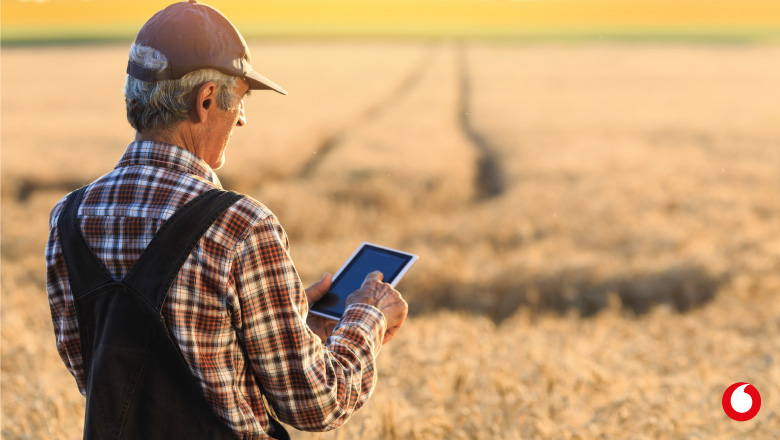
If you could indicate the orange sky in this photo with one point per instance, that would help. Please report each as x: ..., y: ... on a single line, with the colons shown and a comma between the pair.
x: 501, y: 17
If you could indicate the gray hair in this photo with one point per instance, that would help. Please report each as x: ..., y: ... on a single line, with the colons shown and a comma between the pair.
x: 160, y: 105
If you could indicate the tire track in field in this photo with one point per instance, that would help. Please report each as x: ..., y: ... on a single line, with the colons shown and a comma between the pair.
x: 489, y: 181
x: 404, y: 88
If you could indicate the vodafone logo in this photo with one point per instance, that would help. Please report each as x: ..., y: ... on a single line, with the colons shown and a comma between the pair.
x: 741, y: 401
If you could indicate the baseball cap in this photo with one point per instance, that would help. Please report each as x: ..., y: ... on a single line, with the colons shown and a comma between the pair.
x: 195, y: 36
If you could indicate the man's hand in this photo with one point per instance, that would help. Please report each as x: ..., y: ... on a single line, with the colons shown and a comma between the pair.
x: 322, y: 327
x: 385, y: 298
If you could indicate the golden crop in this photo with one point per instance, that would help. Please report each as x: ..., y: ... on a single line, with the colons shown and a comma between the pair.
x: 597, y: 224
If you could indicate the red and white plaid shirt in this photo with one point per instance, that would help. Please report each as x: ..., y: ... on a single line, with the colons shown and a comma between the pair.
x: 237, y: 308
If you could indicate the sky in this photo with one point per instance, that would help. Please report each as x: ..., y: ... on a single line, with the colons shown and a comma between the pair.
x: 52, y: 19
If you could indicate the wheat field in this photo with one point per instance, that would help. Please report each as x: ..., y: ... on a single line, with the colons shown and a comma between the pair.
x: 597, y: 224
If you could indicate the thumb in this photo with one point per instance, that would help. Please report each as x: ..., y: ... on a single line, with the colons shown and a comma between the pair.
x: 319, y: 289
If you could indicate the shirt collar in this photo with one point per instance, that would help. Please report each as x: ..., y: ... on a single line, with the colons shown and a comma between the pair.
x: 163, y: 155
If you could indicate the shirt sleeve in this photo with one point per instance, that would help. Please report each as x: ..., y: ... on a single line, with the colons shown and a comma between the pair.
x: 63, y: 311
x: 311, y: 386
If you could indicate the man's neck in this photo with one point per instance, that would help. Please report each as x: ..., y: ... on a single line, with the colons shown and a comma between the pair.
x: 158, y: 136
x: 180, y: 136
x: 183, y: 136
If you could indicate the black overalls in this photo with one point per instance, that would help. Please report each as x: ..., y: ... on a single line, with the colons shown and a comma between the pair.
x: 137, y: 382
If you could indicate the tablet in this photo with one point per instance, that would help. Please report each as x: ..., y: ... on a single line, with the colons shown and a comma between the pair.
x: 367, y: 258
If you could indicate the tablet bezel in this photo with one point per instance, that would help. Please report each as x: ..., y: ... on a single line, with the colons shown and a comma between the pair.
x: 405, y: 268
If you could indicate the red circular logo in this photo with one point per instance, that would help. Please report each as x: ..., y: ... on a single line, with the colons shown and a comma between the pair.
x: 741, y: 401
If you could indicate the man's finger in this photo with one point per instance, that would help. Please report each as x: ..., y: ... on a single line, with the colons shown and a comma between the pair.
x: 375, y: 275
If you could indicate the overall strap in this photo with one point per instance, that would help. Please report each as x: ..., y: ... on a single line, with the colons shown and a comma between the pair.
x: 154, y: 272
x: 85, y: 270
x: 171, y: 247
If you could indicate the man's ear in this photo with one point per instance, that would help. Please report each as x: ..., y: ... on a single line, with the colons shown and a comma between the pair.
x: 205, y: 101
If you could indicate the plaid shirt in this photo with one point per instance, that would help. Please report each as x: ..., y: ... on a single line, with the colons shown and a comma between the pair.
x: 237, y: 308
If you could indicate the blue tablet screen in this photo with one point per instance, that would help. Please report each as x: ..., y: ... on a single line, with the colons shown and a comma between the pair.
x: 367, y: 260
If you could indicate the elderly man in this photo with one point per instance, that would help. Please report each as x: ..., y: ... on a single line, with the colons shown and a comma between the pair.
x: 175, y: 304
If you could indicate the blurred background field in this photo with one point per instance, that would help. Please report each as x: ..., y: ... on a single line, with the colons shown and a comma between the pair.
x: 596, y: 218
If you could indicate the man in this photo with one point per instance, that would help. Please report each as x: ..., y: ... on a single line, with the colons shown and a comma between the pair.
x: 233, y: 306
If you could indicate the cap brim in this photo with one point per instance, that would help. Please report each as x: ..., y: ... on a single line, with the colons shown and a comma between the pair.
x: 259, y: 82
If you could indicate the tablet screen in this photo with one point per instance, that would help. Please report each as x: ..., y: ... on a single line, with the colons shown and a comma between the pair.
x: 368, y: 259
